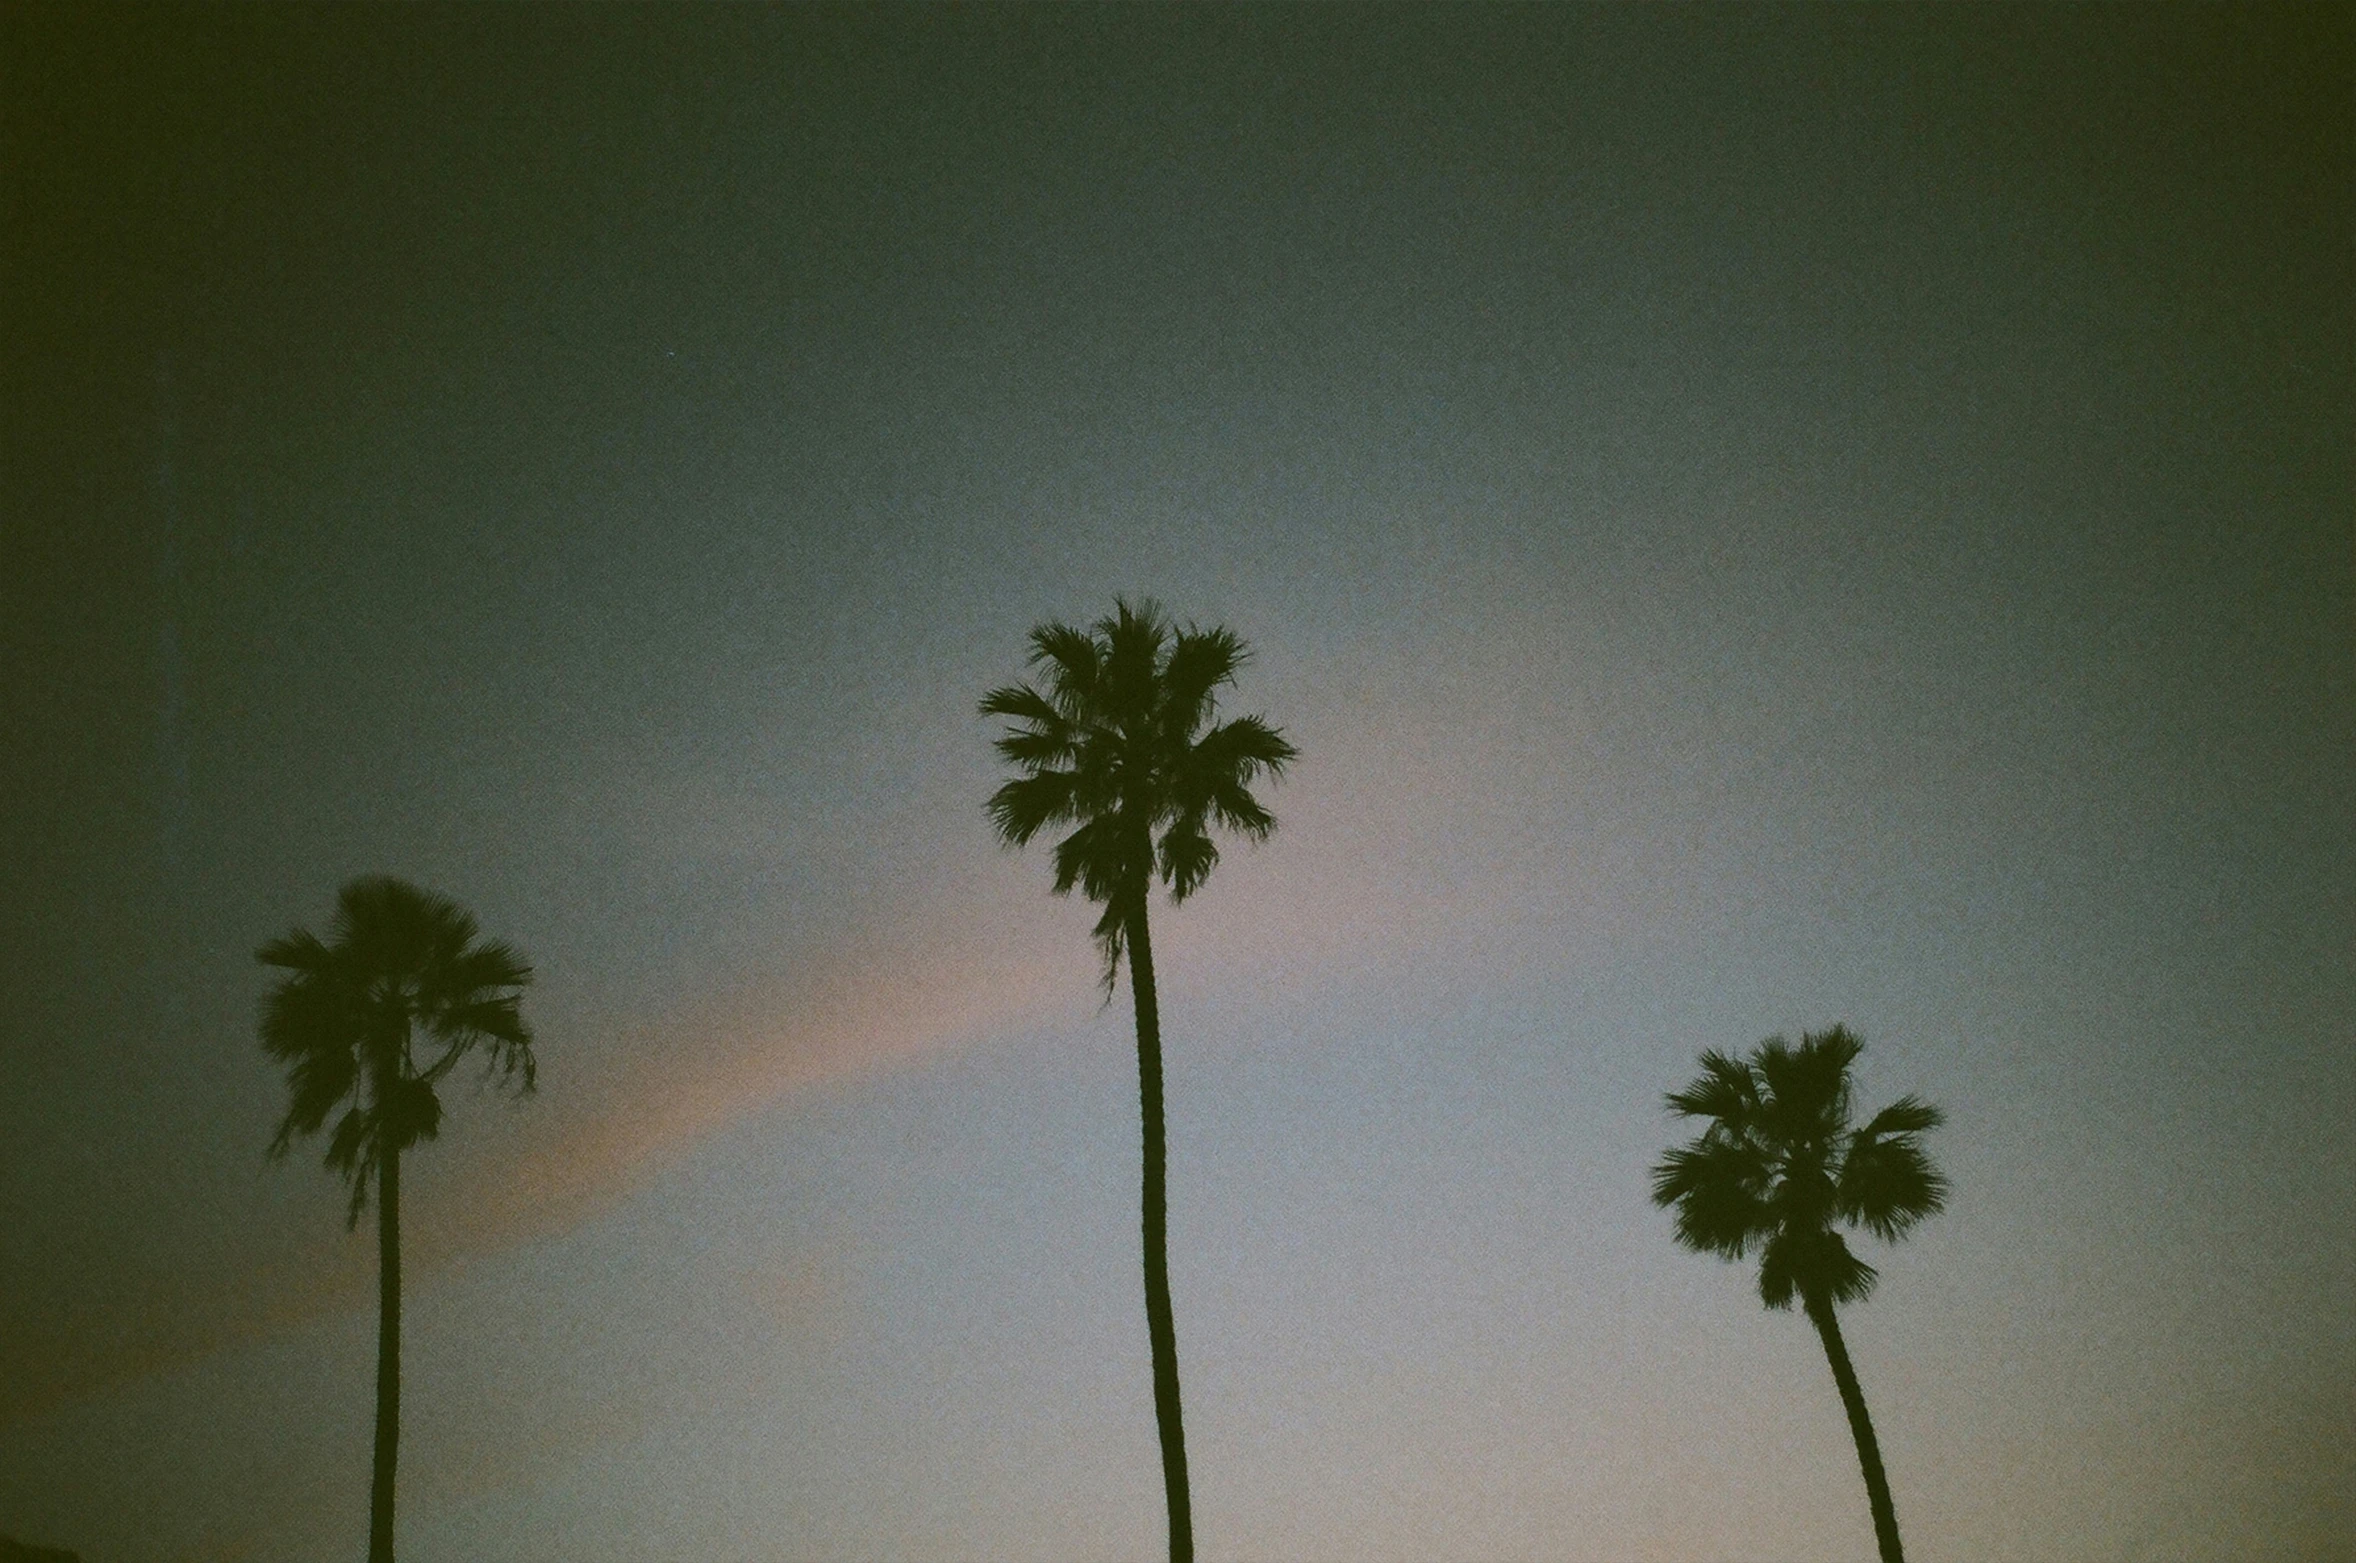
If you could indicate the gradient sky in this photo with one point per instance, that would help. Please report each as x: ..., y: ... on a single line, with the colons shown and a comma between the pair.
x: 1754, y: 517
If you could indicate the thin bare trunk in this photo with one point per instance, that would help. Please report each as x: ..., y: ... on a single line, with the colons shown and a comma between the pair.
x: 1869, y: 1452
x: 388, y: 1357
x: 1159, y: 1323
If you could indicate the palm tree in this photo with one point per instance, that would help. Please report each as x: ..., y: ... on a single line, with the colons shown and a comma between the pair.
x: 1117, y: 742
x: 403, y: 979
x: 1778, y: 1165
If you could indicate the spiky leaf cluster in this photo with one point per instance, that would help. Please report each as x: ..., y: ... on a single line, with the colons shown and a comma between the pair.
x: 1116, y: 738
x: 402, y: 977
x: 1780, y: 1166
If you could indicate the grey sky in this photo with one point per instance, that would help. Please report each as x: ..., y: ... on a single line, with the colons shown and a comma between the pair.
x: 1755, y: 517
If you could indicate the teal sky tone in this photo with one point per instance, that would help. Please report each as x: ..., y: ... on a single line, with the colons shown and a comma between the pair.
x: 1754, y: 517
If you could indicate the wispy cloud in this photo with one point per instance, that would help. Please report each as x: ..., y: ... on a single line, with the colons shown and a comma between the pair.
x: 570, y: 1156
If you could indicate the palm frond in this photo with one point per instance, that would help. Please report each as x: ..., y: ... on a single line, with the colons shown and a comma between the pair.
x: 1023, y: 807
x: 299, y: 951
x: 1718, y: 1187
x: 1111, y: 934
x: 407, y: 1111
x: 1200, y: 661
x: 1906, y: 1115
x: 1130, y: 682
x: 1888, y: 1185
x: 1726, y: 1090
x: 462, y: 976
x: 1186, y: 859
x: 1038, y: 748
x: 1075, y: 669
x: 1216, y: 771
x: 1023, y: 704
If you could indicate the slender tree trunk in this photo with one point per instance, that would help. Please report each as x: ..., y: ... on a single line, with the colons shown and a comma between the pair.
x: 1159, y: 1324
x: 388, y: 1357
x: 1869, y: 1452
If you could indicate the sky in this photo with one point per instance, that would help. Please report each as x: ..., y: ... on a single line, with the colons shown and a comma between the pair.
x: 1754, y: 517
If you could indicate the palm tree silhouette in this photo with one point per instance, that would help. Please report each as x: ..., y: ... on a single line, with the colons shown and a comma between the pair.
x: 1116, y: 743
x: 1778, y: 1165
x: 403, y: 977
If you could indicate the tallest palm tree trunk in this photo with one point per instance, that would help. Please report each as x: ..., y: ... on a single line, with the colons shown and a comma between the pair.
x: 1869, y: 1450
x: 1160, y: 1326
x: 388, y: 1356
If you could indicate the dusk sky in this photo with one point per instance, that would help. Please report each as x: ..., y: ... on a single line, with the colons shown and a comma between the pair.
x: 1753, y: 517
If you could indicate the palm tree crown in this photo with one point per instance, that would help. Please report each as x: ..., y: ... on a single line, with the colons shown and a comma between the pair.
x: 1115, y: 743
x: 1779, y: 1165
x: 403, y: 976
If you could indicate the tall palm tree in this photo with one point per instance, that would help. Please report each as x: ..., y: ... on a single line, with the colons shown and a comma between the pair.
x: 1117, y: 742
x: 1777, y: 1167
x: 370, y: 1022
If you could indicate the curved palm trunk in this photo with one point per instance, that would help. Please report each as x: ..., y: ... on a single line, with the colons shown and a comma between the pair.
x: 1869, y: 1453
x: 388, y: 1357
x: 1159, y: 1323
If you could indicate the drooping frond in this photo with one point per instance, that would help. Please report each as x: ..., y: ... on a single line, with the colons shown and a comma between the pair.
x: 317, y: 1078
x: 1887, y: 1181
x: 1804, y: 1263
x: 1186, y: 858
x: 1719, y: 1187
x: 1099, y: 860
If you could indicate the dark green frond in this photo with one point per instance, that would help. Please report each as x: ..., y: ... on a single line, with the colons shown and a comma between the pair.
x: 1187, y: 858
x: 1093, y: 859
x: 299, y: 951
x: 1719, y: 1188
x: 1111, y: 934
x: 1906, y: 1115
x: 315, y: 1082
x: 1024, y: 704
x: 1047, y: 739
x: 388, y: 927
x: 461, y: 978
x: 407, y: 1111
x: 1807, y: 1087
x: 309, y: 1014
x: 1725, y: 1090
x: 1888, y: 1185
x: 352, y: 1147
x: 1130, y: 687
x: 1040, y: 748
x: 1241, y: 749
x: 1214, y: 775
x: 1818, y: 1263
x: 1029, y: 804
x: 1200, y: 661
x: 1075, y: 667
